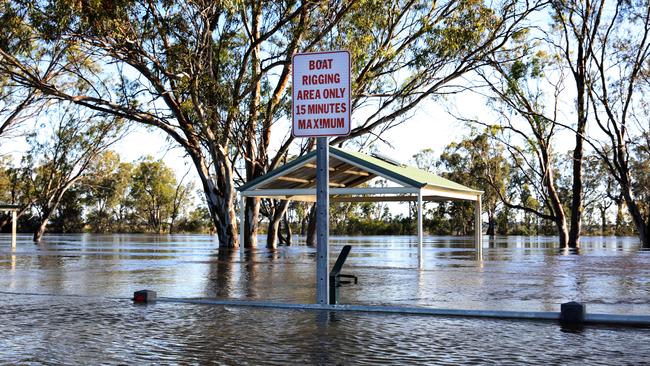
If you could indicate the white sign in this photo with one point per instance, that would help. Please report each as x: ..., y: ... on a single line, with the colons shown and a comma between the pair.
x: 321, y: 94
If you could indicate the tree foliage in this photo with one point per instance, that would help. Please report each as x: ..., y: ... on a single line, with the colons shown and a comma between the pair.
x: 61, y: 154
x: 214, y: 76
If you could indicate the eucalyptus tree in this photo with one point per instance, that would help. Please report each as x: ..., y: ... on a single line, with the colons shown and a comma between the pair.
x: 527, y: 126
x: 640, y: 171
x: 577, y: 23
x: 214, y: 75
x: 181, y: 200
x: 152, y: 193
x: 425, y: 159
x: 618, y: 94
x: 478, y: 162
x: 107, y: 188
x: 561, y: 68
x: 600, y: 51
x: 17, y: 102
x: 62, y: 150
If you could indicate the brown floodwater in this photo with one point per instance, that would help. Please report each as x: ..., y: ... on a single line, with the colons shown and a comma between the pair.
x: 65, y: 301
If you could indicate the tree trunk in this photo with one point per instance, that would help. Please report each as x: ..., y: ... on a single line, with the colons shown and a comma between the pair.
x: 286, y: 240
x: 4, y: 221
x: 171, y: 225
x: 38, y: 234
x: 274, y: 224
x: 272, y: 233
x: 252, y: 161
x: 603, y: 220
x: 558, y: 210
x: 642, y: 226
x: 491, y: 223
x: 618, y: 225
x: 563, y: 233
x: 303, y: 224
x: 624, y: 179
x: 251, y: 222
x: 576, y: 199
x: 225, y: 223
x: 311, y: 227
x: 219, y: 195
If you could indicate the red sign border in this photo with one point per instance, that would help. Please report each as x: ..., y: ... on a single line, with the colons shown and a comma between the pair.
x: 293, y: 90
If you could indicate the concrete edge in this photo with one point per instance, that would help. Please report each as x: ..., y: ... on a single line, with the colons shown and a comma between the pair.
x: 373, y: 309
x: 595, y: 318
x: 605, y: 319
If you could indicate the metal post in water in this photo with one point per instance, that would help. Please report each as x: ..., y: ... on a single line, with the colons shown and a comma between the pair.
x: 14, y: 225
x: 478, y: 235
x: 242, y: 217
x: 420, y: 229
x: 322, y: 220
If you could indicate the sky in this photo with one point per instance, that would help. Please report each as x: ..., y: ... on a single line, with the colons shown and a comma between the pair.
x: 430, y: 127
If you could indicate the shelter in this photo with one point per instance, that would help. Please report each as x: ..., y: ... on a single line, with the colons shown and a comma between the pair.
x: 296, y: 181
x: 14, y: 222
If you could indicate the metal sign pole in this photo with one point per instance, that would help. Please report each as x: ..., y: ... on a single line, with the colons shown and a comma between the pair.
x: 320, y: 107
x: 322, y: 220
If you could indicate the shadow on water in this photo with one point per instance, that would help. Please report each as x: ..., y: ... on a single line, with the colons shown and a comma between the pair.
x: 572, y: 328
x: 569, y: 251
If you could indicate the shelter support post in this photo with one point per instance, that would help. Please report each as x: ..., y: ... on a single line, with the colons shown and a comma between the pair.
x: 242, y: 203
x: 420, y: 234
x: 322, y: 221
x: 478, y: 235
x: 14, y: 224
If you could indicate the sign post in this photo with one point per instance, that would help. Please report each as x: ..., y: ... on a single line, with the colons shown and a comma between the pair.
x: 321, y: 108
x: 322, y: 220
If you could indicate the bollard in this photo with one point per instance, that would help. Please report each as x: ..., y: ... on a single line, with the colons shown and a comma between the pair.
x: 572, y: 313
x: 144, y: 296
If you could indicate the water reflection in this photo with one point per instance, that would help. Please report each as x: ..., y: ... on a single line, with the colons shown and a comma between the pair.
x: 220, y: 274
x: 515, y: 273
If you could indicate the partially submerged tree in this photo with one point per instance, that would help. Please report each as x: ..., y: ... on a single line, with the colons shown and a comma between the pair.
x: 618, y: 94
x: 578, y: 23
x: 527, y: 125
x: 60, y: 156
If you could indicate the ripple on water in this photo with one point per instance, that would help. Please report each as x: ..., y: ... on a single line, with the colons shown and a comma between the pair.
x: 67, y: 330
x: 610, y: 274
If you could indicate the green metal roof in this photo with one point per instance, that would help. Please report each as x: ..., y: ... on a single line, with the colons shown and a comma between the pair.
x: 279, y: 171
x: 407, y: 175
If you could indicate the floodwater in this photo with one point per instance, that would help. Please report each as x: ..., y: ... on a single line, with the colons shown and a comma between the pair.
x: 65, y: 301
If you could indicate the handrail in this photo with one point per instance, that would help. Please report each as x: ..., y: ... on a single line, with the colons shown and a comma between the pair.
x: 336, y: 275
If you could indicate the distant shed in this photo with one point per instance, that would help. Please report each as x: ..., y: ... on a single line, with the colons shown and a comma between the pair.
x: 14, y: 222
